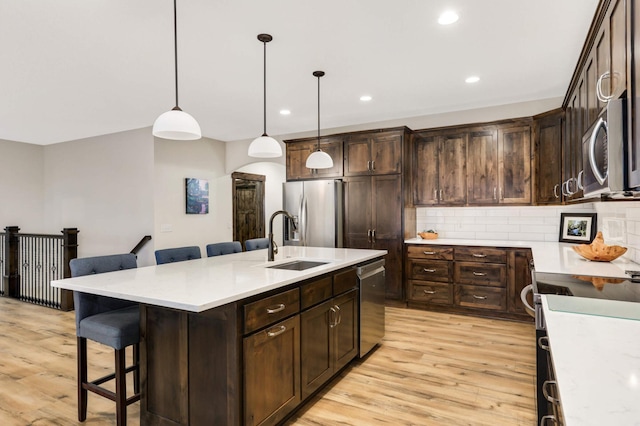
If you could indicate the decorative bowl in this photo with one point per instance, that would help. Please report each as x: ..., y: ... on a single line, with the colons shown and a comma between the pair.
x: 428, y: 235
x: 598, y: 251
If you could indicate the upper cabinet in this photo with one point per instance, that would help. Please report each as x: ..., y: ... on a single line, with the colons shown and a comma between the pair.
x: 548, y: 130
x: 373, y: 153
x: 514, y: 169
x: 299, y: 150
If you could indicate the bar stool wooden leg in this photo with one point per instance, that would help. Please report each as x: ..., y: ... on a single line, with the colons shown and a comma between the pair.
x: 136, y: 373
x: 121, y: 388
x: 82, y: 378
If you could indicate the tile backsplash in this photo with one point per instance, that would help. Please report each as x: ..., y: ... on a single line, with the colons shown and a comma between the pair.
x: 618, y: 221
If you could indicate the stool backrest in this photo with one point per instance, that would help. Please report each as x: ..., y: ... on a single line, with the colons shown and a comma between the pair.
x: 179, y: 254
x: 256, y: 244
x: 218, y: 249
x: 86, y: 304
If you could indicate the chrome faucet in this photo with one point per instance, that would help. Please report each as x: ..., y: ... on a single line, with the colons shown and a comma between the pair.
x: 273, y: 249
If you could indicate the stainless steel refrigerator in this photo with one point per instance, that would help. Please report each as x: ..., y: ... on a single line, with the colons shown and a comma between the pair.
x: 318, y: 209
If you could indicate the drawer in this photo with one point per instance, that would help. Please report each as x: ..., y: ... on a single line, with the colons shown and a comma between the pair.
x: 490, y: 274
x: 481, y: 254
x: 424, y: 291
x: 267, y: 311
x: 472, y: 296
x: 435, y: 270
x: 426, y: 251
x: 315, y: 292
x: 344, y: 281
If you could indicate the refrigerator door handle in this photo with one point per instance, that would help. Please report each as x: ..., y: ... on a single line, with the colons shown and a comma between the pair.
x: 303, y: 215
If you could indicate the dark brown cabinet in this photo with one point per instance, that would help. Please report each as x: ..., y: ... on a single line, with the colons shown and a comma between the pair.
x: 329, y: 339
x: 482, y: 167
x: 548, y: 129
x: 373, y: 154
x: 439, y: 169
x: 483, y: 281
x: 299, y: 150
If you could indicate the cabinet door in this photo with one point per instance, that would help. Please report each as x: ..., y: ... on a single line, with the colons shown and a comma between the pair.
x: 548, y: 168
x: 634, y: 141
x: 272, y: 373
x: 618, y: 42
x: 332, y: 146
x: 452, y: 169
x: 514, y: 146
x: 482, y: 167
x: 519, y: 276
x: 346, y: 330
x: 386, y: 153
x: 357, y: 210
x: 357, y: 156
x: 316, y: 346
x: 590, y: 80
x: 297, y: 154
x: 603, y: 59
x: 425, y: 170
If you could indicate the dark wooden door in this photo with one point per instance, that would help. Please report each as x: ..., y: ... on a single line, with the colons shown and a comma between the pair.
x: 248, y: 206
x: 514, y: 147
x: 357, y: 156
x: 272, y: 373
x: 519, y: 276
x: 482, y: 167
x: 548, y: 163
x: 425, y: 170
x: 452, y: 169
x: 357, y: 220
x: 386, y: 228
x: 316, y: 347
x: 297, y: 154
x: 386, y: 153
x: 345, y: 332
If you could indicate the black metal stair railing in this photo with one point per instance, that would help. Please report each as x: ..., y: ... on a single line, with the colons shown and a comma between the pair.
x: 2, y: 257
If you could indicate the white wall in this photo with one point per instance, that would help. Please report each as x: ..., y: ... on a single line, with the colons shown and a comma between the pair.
x: 174, y: 161
x: 22, y: 187
x: 104, y: 187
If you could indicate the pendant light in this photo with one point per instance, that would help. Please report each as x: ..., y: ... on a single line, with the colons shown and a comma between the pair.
x: 319, y: 159
x: 265, y: 146
x: 176, y: 124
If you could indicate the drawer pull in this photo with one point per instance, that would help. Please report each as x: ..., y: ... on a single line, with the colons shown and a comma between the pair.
x: 279, y: 331
x: 543, y: 419
x: 479, y: 274
x: 479, y: 255
x: 278, y: 308
x: 543, y: 342
x: 429, y: 270
x: 429, y: 291
x: 429, y: 252
x: 545, y: 391
x: 480, y: 297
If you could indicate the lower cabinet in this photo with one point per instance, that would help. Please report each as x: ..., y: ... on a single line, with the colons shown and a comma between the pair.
x: 484, y: 281
x: 272, y: 372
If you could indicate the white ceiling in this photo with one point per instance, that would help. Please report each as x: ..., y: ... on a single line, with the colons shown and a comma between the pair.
x: 72, y: 69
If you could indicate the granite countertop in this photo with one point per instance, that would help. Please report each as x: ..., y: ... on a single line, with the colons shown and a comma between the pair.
x: 596, y: 360
x: 201, y: 284
x: 548, y: 257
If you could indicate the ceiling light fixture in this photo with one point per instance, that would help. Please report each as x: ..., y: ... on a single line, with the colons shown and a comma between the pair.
x: 176, y: 124
x: 285, y: 112
x: 265, y: 146
x: 448, y: 17
x: 472, y: 79
x: 319, y: 159
x: 365, y: 98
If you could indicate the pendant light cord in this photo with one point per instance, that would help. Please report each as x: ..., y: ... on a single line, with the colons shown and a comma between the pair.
x: 175, y: 46
x: 319, y: 112
x: 264, y: 89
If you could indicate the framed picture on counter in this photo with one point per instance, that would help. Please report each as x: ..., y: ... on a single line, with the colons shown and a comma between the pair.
x: 577, y: 227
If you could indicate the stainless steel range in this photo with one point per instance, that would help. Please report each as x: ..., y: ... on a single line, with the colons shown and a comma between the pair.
x: 571, y: 286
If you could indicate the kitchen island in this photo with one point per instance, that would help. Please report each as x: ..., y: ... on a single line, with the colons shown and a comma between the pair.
x: 230, y: 339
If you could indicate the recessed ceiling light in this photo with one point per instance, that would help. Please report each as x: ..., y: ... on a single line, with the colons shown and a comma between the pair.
x: 448, y: 17
x: 472, y: 79
x: 285, y: 112
x: 365, y: 98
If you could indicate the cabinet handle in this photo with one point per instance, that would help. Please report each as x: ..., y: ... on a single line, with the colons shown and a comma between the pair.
x: 580, y: 180
x: 555, y: 190
x: 543, y: 342
x: 501, y: 193
x: 435, y: 194
x: 494, y: 192
x: 368, y: 235
x: 339, y: 318
x: 429, y: 270
x: 277, y: 332
x: 564, y: 189
x: 373, y: 165
x: 373, y: 235
x: 429, y: 252
x: 441, y: 199
x: 429, y: 292
x: 543, y: 419
x: 601, y: 96
x: 479, y: 255
x: 278, y: 308
x: 480, y: 297
x: 332, y: 317
x: 545, y: 391
x: 369, y: 165
x: 479, y: 274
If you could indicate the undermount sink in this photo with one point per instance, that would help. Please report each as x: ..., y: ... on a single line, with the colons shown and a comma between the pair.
x: 298, y: 265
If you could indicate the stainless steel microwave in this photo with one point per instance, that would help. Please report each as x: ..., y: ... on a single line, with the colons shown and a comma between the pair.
x: 603, y: 152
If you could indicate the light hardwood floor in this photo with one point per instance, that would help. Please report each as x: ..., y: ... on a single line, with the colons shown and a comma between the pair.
x: 433, y: 369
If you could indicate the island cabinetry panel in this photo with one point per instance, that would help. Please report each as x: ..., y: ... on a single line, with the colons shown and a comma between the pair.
x: 474, y: 280
x: 377, y: 153
x: 297, y: 152
x: 548, y: 141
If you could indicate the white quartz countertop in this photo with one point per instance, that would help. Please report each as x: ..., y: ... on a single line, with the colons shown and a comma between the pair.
x: 596, y: 362
x: 548, y: 257
x: 201, y: 284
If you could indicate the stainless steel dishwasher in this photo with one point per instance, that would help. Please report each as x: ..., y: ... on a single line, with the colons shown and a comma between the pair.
x: 372, y: 293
